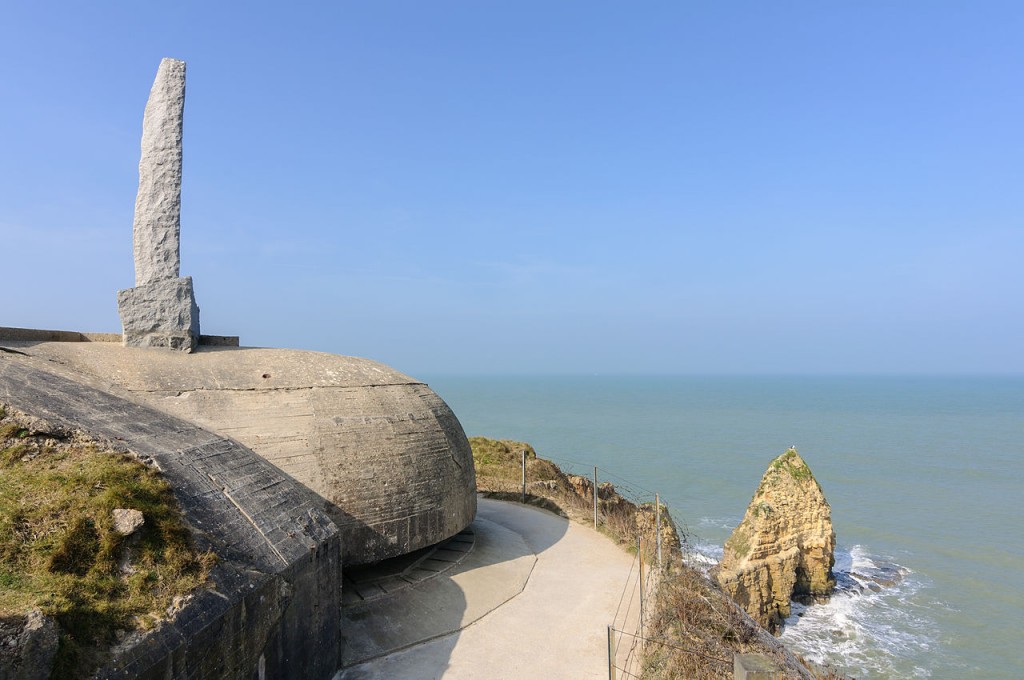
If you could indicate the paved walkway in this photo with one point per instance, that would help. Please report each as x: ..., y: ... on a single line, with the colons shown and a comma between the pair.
x: 533, y: 600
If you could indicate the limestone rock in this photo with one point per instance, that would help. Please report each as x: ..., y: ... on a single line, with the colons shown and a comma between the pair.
x: 160, y: 314
x: 127, y: 522
x: 783, y: 549
x: 158, y: 203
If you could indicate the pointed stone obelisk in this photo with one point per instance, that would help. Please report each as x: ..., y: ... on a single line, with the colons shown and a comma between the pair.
x: 161, y: 310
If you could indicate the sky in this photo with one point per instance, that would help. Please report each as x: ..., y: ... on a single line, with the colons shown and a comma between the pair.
x: 525, y: 187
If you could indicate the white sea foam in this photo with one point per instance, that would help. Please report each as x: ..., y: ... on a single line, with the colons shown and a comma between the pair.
x: 870, y: 628
x: 703, y: 556
x: 728, y: 522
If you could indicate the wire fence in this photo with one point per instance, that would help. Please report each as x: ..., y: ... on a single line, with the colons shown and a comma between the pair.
x: 641, y: 632
x: 590, y: 493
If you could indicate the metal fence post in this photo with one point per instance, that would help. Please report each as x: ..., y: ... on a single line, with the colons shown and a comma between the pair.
x: 640, y: 554
x: 524, y: 475
x: 611, y: 654
x: 657, y: 525
x: 595, y: 497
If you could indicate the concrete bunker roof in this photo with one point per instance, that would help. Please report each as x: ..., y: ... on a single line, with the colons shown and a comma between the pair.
x: 218, y: 368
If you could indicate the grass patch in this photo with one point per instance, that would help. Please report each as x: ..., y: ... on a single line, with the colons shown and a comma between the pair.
x: 59, y: 551
x: 499, y: 472
x: 791, y: 463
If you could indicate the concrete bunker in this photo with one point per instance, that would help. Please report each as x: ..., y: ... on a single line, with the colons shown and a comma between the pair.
x: 384, y: 452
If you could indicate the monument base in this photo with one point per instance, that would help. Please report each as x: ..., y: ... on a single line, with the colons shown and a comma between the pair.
x: 160, y: 314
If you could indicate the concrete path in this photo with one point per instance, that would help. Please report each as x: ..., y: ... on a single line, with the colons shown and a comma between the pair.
x: 542, y: 614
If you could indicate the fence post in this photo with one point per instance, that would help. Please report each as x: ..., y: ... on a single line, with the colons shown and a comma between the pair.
x: 524, y: 475
x: 595, y: 497
x: 657, y: 525
x: 611, y: 654
x: 640, y: 554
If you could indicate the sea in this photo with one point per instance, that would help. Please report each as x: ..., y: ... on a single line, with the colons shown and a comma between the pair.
x: 925, y: 476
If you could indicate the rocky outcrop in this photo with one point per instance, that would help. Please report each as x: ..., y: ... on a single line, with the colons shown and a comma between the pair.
x: 783, y: 549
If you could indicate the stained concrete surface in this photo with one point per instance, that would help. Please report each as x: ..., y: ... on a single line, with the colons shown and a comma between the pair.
x: 534, y: 602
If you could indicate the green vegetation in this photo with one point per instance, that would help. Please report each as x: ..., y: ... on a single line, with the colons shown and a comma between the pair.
x: 499, y: 453
x: 739, y: 543
x: 790, y: 462
x: 499, y: 473
x: 499, y: 465
x: 59, y: 551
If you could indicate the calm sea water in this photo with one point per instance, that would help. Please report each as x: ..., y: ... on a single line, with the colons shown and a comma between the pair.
x: 925, y: 475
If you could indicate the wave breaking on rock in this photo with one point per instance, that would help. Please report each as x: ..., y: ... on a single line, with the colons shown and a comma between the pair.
x: 784, y: 549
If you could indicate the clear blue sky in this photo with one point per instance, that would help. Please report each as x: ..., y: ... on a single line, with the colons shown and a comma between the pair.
x: 540, y: 187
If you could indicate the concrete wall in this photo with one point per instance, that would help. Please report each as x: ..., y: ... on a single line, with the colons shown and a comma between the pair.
x: 273, y: 608
x: 39, y: 335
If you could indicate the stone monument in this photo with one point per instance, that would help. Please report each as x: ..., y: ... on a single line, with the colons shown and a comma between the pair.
x: 161, y: 310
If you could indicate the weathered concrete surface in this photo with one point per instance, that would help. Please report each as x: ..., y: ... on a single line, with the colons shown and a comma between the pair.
x: 28, y: 646
x: 160, y: 314
x: 383, y: 450
x: 554, y: 628
x: 274, y: 602
x: 157, y: 227
x: 41, y: 335
x: 784, y: 548
x: 495, y: 571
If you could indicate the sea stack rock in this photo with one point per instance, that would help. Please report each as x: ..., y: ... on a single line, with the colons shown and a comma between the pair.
x: 784, y: 548
x: 161, y: 310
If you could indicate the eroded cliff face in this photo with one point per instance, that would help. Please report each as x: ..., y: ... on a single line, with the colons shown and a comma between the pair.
x: 784, y: 548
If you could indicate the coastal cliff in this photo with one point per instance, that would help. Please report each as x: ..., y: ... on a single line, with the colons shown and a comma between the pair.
x: 783, y: 549
x: 688, y: 610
